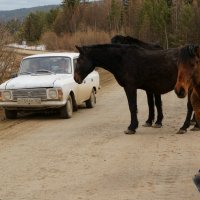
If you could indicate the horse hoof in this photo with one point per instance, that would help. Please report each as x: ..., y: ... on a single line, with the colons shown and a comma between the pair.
x: 181, y: 131
x: 192, y: 123
x: 195, y: 129
x: 157, y: 125
x: 147, y: 124
x: 129, y: 132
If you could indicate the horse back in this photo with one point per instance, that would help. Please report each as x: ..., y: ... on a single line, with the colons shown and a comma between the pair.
x: 154, y: 71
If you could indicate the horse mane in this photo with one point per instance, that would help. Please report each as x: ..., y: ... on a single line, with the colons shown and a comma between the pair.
x: 119, y: 39
x: 111, y: 46
x: 187, y: 52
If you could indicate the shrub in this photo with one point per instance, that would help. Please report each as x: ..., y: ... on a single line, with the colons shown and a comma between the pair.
x: 7, y: 55
x: 68, y: 41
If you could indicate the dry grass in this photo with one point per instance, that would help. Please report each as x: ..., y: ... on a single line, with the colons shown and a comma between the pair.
x: 68, y: 41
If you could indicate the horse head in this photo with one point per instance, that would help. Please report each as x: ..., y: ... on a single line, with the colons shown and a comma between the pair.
x: 188, y: 69
x: 84, y: 65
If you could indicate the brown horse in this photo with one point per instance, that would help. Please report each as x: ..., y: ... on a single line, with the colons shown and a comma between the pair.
x: 188, y: 79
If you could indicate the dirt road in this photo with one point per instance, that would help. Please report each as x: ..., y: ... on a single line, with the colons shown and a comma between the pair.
x: 89, y: 157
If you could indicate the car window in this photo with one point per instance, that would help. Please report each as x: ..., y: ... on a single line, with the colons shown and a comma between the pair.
x: 54, y: 64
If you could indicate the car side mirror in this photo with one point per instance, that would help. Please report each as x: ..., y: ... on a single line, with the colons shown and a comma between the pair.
x: 13, y: 75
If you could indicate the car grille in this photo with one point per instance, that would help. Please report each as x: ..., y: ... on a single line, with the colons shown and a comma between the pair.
x: 30, y: 93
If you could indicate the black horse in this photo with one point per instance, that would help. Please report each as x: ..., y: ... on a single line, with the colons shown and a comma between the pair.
x: 152, y: 99
x: 133, y: 67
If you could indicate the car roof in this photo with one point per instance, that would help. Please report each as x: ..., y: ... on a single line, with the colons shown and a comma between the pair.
x: 66, y: 54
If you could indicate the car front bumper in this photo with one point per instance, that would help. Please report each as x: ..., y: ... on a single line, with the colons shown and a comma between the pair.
x: 42, y: 105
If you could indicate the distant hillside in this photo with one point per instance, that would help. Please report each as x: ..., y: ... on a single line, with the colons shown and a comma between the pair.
x: 23, y: 12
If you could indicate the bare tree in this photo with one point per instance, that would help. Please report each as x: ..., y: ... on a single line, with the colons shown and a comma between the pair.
x: 7, y: 56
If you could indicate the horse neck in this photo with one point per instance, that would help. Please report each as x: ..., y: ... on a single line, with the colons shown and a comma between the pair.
x: 196, y: 89
x: 110, y: 60
x: 105, y: 59
x: 195, y: 82
x: 196, y: 78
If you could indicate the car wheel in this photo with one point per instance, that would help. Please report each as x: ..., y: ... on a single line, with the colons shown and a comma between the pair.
x: 67, y: 110
x: 10, y: 114
x: 91, y: 102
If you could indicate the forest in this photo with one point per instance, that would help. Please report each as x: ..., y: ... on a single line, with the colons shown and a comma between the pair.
x: 168, y: 22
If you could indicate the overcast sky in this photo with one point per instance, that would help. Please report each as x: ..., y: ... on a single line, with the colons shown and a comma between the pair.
x: 16, y: 4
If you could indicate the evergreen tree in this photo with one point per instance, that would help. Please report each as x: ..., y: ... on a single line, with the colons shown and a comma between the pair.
x: 186, y: 24
x: 158, y: 13
x: 70, y: 4
x: 34, y: 26
x: 51, y: 17
x: 115, y: 15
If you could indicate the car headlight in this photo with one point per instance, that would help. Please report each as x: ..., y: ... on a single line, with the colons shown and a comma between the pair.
x: 6, y: 95
x: 52, y: 94
x: 55, y: 93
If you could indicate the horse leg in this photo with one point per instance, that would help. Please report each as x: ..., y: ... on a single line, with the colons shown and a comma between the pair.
x: 196, y: 105
x: 150, y: 101
x: 158, y: 102
x: 196, y: 125
x: 132, y: 102
x: 186, y: 123
x: 197, y: 116
x: 193, y: 120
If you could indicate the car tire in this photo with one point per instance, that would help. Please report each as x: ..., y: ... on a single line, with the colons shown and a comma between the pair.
x: 10, y: 114
x: 67, y: 110
x: 91, y: 102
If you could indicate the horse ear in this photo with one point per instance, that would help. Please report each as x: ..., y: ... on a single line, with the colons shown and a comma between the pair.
x: 80, y: 49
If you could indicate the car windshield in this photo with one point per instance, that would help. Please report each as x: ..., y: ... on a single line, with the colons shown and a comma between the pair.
x: 52, y: 65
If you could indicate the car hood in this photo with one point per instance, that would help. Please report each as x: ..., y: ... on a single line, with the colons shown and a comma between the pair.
x: 33, y: 81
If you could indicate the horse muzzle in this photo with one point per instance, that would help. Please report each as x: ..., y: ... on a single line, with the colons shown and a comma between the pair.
x: 180, y: 92
x: 77, y: 78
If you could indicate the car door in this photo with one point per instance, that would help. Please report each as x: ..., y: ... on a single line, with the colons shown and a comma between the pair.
x: 83, y: 90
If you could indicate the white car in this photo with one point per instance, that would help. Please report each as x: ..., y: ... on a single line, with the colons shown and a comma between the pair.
x: 46, y: 81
